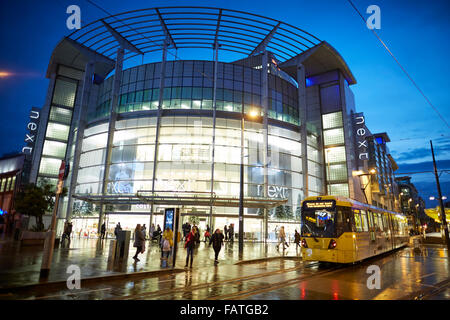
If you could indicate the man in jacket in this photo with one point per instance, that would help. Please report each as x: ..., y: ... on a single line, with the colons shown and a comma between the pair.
x: 217, y: 243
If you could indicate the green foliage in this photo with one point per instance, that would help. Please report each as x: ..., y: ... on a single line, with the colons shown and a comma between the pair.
x: 35, y: 201
x: 194, y: 220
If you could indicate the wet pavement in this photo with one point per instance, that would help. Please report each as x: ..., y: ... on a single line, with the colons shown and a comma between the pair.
x: 20, y: 265
x: 408, y: 273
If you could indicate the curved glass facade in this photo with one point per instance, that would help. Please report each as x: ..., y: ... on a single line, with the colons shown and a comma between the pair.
x: 189, y: 85
x: 185, y: 158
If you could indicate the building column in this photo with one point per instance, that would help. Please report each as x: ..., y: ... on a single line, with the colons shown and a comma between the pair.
x: 81, y: 121
x: 158, y: 121
x: 265, y: 105
x: 216, y: 54
x: 111, y: 128
x: 301, y: 80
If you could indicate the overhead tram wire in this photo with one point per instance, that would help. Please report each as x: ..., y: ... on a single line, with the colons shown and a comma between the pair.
x: 403, y: 69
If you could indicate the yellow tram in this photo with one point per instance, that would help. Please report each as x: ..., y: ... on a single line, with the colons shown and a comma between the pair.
x: 341, y: 230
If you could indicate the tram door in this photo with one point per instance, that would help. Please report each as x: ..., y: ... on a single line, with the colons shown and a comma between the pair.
x: 372, y: 233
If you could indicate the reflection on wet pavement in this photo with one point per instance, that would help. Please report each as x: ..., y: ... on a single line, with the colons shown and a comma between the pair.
x: 403, y: 274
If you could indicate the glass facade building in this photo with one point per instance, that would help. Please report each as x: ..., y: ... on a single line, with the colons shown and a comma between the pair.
x: 175, y: 126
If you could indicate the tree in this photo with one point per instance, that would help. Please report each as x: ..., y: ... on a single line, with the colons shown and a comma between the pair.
x: 35, y: 200
x: 194, y: 220
x: 288, y: 212
x: 279, y: 213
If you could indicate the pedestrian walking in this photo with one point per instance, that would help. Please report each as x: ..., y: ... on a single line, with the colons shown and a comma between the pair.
x: 139, y: 241
x: 231, y: 232
x: 225, y: 230
x: 167, y: 245
x: 144, y: 231
x: 282, y: 238
x: 197, y: 235
x: 207, y: 236
x: 217, y: 243
x: 190, y: 246
x: 103, y: 231
x: 297, y: 239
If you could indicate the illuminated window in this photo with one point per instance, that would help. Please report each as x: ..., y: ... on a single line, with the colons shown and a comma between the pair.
x: 60, y: 115
x: 332, y: 120
x: 54, y: 149
x: 57, y: 131
x: 336, y: 172
x: 49, y: 166
x: 339, y: 189
x: 333, y: 136
x: 2, y: 187
x: 13, y: 183
x: 64, y: 93
x: 357, y: 222
x: 365, y: 225
x: 336, y: 154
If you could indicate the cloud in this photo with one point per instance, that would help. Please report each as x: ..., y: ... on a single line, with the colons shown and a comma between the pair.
x: 440, y: 150
x: 422, y: 166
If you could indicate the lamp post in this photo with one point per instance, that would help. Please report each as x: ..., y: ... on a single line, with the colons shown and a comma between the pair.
x: 371, y: 172
x: 252, y: 114
x: 441, y: 202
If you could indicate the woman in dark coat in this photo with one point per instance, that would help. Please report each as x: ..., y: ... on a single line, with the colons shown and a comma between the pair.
x: 139, y: 241
x: 217, y: 243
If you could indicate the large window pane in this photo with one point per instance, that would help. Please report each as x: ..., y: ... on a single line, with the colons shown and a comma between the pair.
x: 332, y: 120
x: 54, y: 149
x: 57, y: 131
x: 64, y: 93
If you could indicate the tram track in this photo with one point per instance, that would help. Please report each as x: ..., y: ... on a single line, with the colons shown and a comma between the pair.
x: 238, y: 280
x: 161, y: 293
x: 273, y: 286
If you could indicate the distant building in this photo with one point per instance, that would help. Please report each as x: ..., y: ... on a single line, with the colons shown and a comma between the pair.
x: 11, y: 170
x: 411, y: 203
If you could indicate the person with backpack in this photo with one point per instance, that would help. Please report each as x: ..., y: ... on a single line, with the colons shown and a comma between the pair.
x: 190, y: 245
x: 217, y: 243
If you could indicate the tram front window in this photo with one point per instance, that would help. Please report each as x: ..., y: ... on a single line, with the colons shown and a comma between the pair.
x: 318, y: 222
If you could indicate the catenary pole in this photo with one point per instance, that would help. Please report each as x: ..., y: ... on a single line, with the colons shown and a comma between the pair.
x: 441, y: 203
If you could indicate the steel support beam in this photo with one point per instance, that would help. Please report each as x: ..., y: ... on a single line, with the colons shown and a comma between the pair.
x: 265, y: 106
x: 264, y: 42
x: 81, y: 121
x: 165, y: 30
x: 216, y: 54
x: 158, y: 121
x: 301, y: 80
x: 123, y: 42
x: 111, y: 126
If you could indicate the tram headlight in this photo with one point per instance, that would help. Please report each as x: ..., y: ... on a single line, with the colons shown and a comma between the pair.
x: 332, y: 244
x: 304, y: 244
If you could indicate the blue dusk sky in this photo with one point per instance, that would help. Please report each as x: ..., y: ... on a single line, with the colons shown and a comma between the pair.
x: 417, y: 32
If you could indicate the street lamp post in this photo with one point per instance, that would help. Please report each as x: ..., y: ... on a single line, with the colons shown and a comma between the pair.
x: 441, y: 202
x: 371, y: 172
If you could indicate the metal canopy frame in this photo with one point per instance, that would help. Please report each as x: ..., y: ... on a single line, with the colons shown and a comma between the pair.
x: 180, y: 198
x: 195, y: 27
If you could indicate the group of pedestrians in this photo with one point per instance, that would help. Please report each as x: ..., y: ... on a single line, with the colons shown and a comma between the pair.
x: 229, y: 232
x: 281, y: 234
